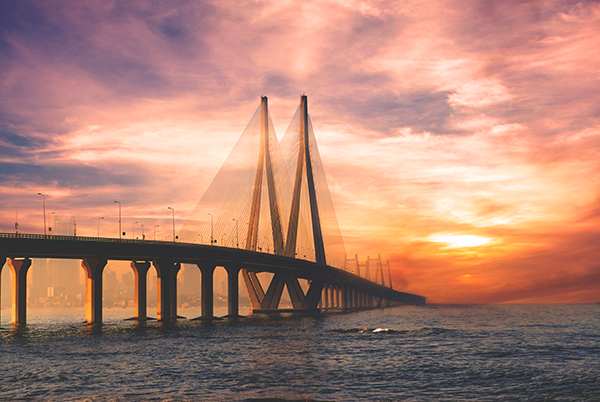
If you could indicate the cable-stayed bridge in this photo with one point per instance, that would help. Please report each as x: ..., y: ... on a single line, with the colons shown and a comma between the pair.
x: 274, y: 197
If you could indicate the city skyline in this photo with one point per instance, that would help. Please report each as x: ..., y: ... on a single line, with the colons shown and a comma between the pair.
x: 460, y: 140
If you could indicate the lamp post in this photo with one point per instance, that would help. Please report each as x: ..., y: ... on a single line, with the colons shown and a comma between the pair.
x: 119, y: 202
x: 44, y: 209
x: 133, y: 230
x: 173, y: 210
x: 237, y: 238
x: 155, y: 226
x: 143, y: 236
x: 99, y: 219
x: 212, y: 241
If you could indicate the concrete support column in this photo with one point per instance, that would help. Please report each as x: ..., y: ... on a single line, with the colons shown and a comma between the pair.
x: 19, y: 270
x: 2, y: 262
x: 344, y: 296
x: 166, y: 287
x: 338, y: 297
x: 173, y: 294
x: 348, y: 291
x: 140, y: 271
x: 325, y: 297
x: 94, y: 267
x: 233, y: 288
x: 207, y: 269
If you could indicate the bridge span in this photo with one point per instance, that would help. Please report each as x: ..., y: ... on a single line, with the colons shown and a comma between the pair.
x: 278, y: 194
x: 330, y: 287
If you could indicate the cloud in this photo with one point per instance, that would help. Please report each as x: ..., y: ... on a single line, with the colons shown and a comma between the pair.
x: 67, y: 175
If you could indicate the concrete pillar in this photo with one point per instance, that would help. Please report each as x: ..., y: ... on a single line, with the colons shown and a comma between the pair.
x: 19, y: 270
x: 2, y: 262
x: 207, y: 268
x: 233, y: 288
x: 140, y: 271
x: 173, y: 294
x: 325, y: 297
x: 332, y: 297
x: 166, y: 287
x: 94, y: 267
x: 344, y: 296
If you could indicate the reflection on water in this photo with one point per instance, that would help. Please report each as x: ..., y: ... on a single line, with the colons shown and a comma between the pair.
x: 542, y: 352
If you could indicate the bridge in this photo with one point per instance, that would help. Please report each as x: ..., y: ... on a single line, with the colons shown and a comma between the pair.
x: 278, y: 192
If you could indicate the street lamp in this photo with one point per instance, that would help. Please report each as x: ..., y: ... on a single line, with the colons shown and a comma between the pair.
x: 99, y: 225
x: 212, y: 241
x: 155, y: 226
x: 133, y: 230
x: 237, y: 238
x: 44, y: 208
x: 143, y: 236
x: 173, y: 210
x: 119, y: 202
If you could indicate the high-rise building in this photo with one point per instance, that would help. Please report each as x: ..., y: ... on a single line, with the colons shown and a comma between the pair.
x: 189, y: 280
x: 54, y: 279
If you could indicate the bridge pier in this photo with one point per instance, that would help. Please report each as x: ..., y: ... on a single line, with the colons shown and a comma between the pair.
x: 19, y: 270
x: 333, y: 297
x: 94, y: 267
x: 2, y: 262
x: 233, y: 289
x: 140, y: 272
x: 166, y: 278
x: 207, y: 269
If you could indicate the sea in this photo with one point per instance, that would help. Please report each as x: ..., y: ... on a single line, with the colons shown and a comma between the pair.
x: 409, y: 353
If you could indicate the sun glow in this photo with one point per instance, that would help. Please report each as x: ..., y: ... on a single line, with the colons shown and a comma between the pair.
x: 455, y: 241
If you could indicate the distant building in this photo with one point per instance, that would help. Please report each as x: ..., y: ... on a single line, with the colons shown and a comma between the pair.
x: 53, y: 281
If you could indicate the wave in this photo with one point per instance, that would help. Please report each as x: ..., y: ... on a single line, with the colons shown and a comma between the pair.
x: 392, y: 331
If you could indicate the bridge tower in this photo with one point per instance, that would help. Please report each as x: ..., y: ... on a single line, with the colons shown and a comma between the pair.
x: 267, y: 301
x: 280, y: 192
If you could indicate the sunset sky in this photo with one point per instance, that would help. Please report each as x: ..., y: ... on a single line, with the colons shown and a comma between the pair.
x: 461, y: 139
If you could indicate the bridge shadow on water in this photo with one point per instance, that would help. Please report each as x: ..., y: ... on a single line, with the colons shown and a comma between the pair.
x: 184, y: 327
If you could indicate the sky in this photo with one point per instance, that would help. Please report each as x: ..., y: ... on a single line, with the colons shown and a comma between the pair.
x: 461, y: 139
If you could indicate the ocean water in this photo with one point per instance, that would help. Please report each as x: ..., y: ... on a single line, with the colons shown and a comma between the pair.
x: 467, y: 352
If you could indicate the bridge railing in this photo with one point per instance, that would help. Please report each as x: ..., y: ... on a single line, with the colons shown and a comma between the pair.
x: 331, y: 262
x: 82, y: 238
